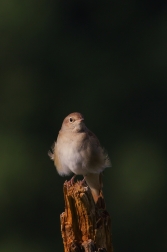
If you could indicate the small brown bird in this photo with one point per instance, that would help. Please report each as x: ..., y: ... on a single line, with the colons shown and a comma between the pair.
x: 77, y: 150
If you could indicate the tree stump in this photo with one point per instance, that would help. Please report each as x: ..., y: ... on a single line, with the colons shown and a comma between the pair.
x: 85, y: 226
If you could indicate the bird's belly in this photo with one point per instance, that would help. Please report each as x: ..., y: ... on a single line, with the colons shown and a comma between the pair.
x: 72, y: 160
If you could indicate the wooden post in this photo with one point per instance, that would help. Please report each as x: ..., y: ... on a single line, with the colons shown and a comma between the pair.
x: 85, y: 226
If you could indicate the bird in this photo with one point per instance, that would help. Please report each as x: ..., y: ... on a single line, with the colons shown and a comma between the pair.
x: 77, y: 150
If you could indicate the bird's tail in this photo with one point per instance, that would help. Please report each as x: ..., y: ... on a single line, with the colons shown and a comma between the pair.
x: 94, y: 182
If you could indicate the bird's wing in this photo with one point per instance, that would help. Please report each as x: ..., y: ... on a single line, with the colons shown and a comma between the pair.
x: 51, y: 152
x: 94, y: 140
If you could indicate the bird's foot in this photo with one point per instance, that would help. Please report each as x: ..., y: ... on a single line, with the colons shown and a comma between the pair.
x: 83, y: 182
x: 71, y: 181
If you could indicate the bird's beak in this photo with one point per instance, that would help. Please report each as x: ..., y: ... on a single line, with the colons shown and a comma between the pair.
x: 80, y: 120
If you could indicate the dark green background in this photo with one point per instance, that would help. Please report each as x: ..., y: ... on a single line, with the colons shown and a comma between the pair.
x: 108, y: 60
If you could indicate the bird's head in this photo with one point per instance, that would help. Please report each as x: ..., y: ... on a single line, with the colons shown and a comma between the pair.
x: 74, y: 122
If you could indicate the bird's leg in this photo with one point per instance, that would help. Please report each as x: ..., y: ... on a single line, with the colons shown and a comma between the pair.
x: 83, y: 181
x: 71, y: 181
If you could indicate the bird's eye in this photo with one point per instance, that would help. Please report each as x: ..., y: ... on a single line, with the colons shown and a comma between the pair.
x: 71, y: 119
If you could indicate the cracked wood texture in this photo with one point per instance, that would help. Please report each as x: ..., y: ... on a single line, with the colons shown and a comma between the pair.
x: 85, y: 226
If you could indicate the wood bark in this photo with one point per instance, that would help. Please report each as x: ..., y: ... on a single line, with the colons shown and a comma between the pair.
x: 85, y: 226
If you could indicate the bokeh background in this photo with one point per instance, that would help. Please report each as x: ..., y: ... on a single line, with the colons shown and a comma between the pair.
x: 107, y: 60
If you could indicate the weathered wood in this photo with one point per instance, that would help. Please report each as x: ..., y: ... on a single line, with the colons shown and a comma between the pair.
x: 85, y: 226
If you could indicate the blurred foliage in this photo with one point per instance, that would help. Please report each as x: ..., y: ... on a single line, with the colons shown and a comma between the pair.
x: 107, y: 60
